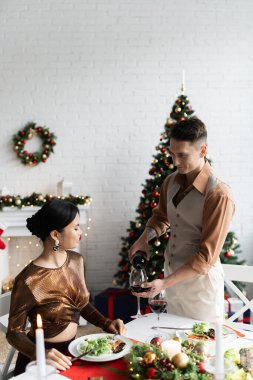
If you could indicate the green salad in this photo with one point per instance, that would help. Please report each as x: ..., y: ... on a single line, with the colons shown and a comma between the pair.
x: 243, y: 363
x: 99, y: 346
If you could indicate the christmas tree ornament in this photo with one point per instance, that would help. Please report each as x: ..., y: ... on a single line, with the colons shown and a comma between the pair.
x: 137, y: 225
x: 151, y: 372
x: 157, y: 243
x: 228, y: 254
x: 180, y: 360
x: 171, y: 166
x: 27, y: 133
x: 149, y: 358
x: 157, y: 341
x: 18, y: 202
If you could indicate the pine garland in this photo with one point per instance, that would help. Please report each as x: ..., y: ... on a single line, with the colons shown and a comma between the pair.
x: 37, y: 199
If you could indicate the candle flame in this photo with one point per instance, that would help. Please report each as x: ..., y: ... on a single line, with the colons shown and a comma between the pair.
x: 39, y: 321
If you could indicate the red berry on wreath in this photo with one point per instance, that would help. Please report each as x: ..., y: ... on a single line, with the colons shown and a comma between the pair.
x: 22, y: 133
x: 46, y: 151
x: 163, y: 361
x: 30, y: 154
x: 178, y: 100
x: 39, y: 129
x: 151, y: 372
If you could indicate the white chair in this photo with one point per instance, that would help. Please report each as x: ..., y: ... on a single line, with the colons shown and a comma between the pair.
x: 242, y: 273
x: 5, y: 373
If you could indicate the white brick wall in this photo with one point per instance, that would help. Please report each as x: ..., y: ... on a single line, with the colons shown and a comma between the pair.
x: 103, y: 75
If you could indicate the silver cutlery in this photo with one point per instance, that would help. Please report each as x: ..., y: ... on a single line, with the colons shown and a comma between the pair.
x: 83, y: 354
x: 169, y: 328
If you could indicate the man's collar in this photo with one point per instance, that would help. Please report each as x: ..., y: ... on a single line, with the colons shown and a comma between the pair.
x: 200, y: 182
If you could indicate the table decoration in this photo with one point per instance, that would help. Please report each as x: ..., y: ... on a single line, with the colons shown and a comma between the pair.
x: 148, y: 361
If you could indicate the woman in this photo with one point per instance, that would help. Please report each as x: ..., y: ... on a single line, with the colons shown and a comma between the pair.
x: 53, y: 286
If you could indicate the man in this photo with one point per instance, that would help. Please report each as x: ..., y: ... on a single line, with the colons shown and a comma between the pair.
x: 198, y: 207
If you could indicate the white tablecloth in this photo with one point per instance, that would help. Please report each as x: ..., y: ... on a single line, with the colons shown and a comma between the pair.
x: 140, y: 329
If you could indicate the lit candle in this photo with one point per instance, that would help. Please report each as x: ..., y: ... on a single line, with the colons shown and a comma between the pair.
x: 40, y: 350
x: 219, y: 359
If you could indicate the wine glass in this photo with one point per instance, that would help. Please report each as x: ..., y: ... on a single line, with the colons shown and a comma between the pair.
x: 137, y: 278
x: 158, y: 303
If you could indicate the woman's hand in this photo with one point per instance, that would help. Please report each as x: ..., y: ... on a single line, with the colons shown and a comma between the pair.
x: 156, y: 287
x: 60, y: 361
x: 117, y: 327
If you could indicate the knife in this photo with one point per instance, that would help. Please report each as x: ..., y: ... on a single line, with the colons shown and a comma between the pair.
x: 169, y: 328
x: 83, y: 354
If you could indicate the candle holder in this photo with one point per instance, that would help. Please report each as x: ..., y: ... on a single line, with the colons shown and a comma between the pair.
x: 32, y: 370
x: 210, y: 366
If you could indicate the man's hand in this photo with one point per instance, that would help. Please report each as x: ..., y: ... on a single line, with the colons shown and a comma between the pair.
x: 155, y: 287
x: 140, y: 245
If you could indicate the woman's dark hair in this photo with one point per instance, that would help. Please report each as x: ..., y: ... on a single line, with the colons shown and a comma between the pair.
x: 192, y: 130
x: 54, y: 215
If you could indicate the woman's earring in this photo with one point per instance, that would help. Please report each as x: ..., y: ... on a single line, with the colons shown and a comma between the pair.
x: 56, y: 246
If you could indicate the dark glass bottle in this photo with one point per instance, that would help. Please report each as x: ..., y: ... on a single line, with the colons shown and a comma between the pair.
x: 139, y: 260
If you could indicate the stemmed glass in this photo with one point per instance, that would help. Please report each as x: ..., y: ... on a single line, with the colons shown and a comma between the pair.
x: 137, y: 278
x: 158, y: 303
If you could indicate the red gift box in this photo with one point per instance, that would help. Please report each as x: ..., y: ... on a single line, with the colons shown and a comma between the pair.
x: 118, y: 303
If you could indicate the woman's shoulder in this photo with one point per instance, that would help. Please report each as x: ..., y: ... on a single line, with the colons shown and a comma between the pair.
x: 73, y: 255
x: 28, y: 271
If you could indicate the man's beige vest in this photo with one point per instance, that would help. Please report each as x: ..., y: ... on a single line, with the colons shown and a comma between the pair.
x: 201, y: 297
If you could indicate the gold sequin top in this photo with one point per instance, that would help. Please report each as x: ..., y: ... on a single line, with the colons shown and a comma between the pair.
x: 59, y: 295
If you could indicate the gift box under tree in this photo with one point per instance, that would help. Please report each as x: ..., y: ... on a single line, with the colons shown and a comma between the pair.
x: 119, y: 303
x: 232, y: 305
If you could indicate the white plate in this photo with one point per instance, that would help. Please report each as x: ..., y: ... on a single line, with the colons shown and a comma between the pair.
x: 73, y: 348
x: 230, y: 337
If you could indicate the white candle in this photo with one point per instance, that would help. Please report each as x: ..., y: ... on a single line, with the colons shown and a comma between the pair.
x: 40, y: 350
x: 219, y: 359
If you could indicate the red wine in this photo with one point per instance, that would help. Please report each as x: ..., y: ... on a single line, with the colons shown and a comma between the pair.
x: 139, y: 289
x: 157, y: 306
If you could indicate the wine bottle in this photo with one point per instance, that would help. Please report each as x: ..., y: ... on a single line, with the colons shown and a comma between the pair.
x: 139, y: 260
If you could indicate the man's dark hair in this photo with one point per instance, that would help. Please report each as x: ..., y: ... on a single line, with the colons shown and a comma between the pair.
x: 191, y: 130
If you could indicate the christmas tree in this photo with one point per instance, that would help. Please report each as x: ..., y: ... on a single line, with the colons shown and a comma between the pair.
x: 161, y: 167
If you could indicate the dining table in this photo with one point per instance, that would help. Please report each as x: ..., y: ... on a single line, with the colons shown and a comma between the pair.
x: 142, y: 329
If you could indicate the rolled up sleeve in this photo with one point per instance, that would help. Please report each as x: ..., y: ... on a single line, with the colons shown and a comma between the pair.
x: 217, y: 214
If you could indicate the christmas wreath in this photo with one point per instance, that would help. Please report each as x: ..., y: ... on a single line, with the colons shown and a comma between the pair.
x: 27, y: 133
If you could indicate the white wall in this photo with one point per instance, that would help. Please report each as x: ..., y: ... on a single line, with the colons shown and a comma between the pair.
x: 103, y: 75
